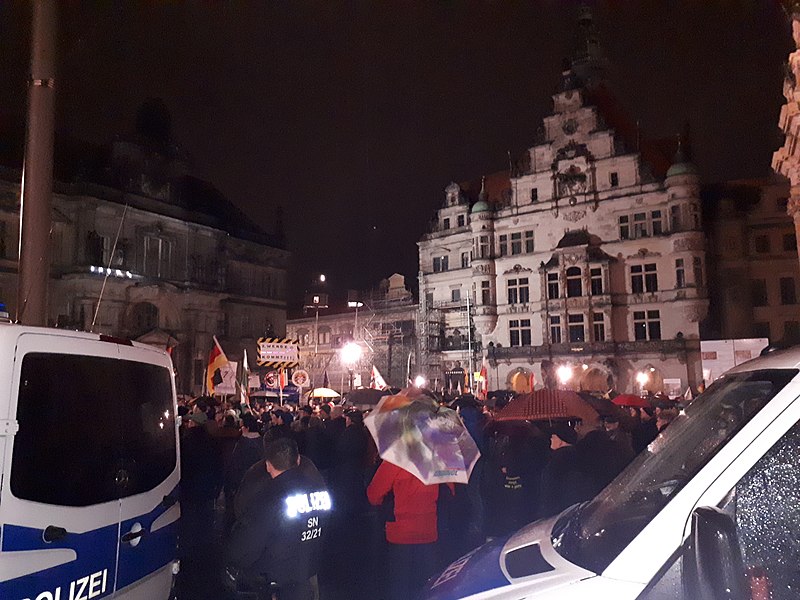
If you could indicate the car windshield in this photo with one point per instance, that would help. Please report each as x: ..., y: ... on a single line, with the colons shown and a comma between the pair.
x: 593, y: 534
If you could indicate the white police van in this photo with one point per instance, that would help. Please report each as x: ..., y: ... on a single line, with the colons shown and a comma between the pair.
x: 710, y: 510
x: 89, y: 467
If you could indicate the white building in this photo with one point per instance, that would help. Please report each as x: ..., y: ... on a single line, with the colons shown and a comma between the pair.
x: 580, y: 258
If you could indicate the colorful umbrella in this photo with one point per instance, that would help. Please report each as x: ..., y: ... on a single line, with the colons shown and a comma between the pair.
x: 631, y: 400
x: 545, y: 405
x: 429, y: 441
x: 323, y: 392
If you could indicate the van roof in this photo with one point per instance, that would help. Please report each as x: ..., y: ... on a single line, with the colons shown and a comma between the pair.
x: 778, y: 359
x: 11, y: 331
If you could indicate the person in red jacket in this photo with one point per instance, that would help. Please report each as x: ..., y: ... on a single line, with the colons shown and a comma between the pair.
x: 413, y: 532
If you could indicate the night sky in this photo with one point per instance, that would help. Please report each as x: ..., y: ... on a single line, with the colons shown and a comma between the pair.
x: 354, y: 116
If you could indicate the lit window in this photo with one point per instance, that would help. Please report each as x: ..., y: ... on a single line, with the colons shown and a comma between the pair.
x: 647, y: 325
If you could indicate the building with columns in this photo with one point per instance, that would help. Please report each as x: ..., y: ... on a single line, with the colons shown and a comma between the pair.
x: 589, y: 253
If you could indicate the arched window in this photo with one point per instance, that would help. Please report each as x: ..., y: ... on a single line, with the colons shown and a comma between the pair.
x: 574, y: 286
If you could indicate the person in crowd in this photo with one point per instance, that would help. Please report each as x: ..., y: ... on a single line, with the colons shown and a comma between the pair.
x: 280, y: 426
x: 412, y: 533
x: 618, y: 435
x: 665, y: 417
x: 563, y: 483
x: 646, y: 431
x: 278, y: 541
x: 247, y: 452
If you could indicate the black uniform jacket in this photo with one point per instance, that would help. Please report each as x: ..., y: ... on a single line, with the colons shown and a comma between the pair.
x: 281, y: 537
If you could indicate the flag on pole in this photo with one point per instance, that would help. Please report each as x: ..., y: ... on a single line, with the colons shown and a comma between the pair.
x: 216, y: 360
x: 376, y: 380
x: 325, y: 381
x: 687, y: 395
x: 484, y: 377
x: 244, y: 382
x: 282, y: 379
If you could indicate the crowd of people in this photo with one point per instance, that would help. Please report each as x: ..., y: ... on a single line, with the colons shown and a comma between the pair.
x: 241, y: 463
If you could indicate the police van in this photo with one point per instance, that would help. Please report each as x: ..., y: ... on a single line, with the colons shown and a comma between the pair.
x: 88, y: 467
x: 711, y: 509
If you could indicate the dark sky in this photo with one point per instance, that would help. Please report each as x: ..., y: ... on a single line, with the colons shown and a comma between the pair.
x: 355, y: 115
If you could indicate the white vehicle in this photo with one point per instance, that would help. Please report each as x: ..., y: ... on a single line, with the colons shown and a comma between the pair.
x: 88, y: 467
x: 711, y: 509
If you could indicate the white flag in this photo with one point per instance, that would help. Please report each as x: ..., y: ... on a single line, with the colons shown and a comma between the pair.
x: 376, y: 381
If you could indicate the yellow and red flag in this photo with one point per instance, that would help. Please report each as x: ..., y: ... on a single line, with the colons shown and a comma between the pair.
x: 216, y: 360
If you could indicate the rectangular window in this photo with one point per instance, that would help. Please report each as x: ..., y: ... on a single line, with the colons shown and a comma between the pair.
x: 555, y: 330
x: 788, y: 291
x: 483, y: 246
x: 759, y: 292
x: 680, y: 273
x: 446, y: 224
x: 640, y: 226
x: 552, y: 286
x: 624, y: 228
x: 486, y: 294
x: 613, y: 179
x: 791, y: 331
x: 503, y: 245
x: 598, y: 327
x: 516, y: 243
x: 534, y: 194
x: 577, y: 331
x: 675, y: 218
x: 790, y: 242
x: 528, y: 242
x: 462, y: 220
x: 440, y: 264
x: 455, y: 295
x: 428, y: 299
x: 761, y: 243
x: 697, y: 264
x: 637, y: 279
x: 761, y: 329
x: 650, y: 278
x: 157, y: 257
x: 596, y: 280
x: 465, y: 260
x: 657, y: 222
x: 647, y: 325
x: 520, y: 332
x: 518, y: 292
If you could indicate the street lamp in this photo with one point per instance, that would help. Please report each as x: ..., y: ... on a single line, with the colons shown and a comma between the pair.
x: 420, y: 381
x: 564, y: 373
x: 350, y: 354
x: 642, y: 378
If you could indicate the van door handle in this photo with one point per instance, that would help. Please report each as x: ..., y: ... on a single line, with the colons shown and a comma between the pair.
x: 53, y: 533
x: 132, y: 535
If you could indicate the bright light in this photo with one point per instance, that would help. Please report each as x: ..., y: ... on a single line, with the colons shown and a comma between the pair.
x: 642, y: 378
x: 322, y: 278
x: 353, y: 304
x: 351, y: 352
x: 420, y: 381
x: 584, y: 366
x: 564, y: 373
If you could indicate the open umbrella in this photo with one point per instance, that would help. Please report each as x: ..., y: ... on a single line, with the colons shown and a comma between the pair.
x: 631, y: 400
x: 545, y: 405
x: 323, y: 392
x: 429, y: 441
x: 365, y: 396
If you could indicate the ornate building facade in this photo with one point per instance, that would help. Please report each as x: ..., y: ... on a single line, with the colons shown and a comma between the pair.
x: 582, y: 256
x: 154, y: 255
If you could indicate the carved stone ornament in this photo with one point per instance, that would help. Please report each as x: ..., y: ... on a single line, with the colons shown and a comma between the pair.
x: 574, y: 215
x: 517, y: 269
x: 572, y: 259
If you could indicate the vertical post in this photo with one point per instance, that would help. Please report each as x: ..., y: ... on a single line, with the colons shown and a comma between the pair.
x: 469, y: 345
x: 316, y: 332
x: 37, y: 172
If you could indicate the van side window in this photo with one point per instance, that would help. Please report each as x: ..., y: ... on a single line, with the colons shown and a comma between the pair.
x: 91, y: 429
x: 766, y: 506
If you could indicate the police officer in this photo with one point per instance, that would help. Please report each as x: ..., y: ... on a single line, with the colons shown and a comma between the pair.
x: 280, y: 537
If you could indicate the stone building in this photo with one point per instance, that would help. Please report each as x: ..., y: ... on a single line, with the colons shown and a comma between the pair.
x: 153, y: 254
x: 384, y: 327
x: 753, y: 257
x: 588, y: 253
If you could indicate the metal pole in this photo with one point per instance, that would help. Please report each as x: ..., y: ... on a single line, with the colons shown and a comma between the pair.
x: 469, y: 344
x: 37, y: 172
